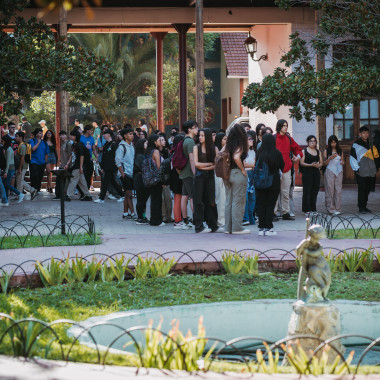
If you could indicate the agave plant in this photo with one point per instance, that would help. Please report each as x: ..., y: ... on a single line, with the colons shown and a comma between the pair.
x: 54, y: 273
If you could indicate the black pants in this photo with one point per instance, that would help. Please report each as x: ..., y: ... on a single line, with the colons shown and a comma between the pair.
x: 155, y: 205
x: 109, y: 177
x: 36, y: 175
x: 88, y: 170
x: 310, y: 181
x: 204, y: 201
x: 364, y: 187
x: 142, y: 195
x: 266, y: 201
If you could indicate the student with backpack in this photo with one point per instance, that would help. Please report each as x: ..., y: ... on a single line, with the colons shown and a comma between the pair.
x: 3, y: 164
x: 40, y: 152
x: 23, y: 157
x: 269, y: 162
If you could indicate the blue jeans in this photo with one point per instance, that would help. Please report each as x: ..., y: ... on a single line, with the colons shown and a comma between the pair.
x: 250, y: 208
x: 7, y: 183
x: 3, y: 194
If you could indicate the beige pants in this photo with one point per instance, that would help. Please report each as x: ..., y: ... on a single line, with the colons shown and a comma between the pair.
x: 220, y: 199
x: 21, y: 184
x: 333, y: 191
x: 167, y: 204
x: 77, y: 179
x: 286, y: 181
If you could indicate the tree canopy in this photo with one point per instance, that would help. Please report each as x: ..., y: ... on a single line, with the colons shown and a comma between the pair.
x: 34, y: 60
x: 348, y: 39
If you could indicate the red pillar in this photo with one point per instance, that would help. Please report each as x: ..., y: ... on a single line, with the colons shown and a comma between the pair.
x: 182, y: 30
x: 159, y: 36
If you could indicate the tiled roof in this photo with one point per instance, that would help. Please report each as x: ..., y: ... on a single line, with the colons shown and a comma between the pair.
x: 235, y: 53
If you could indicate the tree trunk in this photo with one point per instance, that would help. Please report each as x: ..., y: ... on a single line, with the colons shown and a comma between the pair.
x: 200, y: 63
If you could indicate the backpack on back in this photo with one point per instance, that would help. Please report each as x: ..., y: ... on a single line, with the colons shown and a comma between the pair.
x: 223, y: 165
x: 262, y: 177
x: 165, y: 170
x: 149, y: 171
x: 3, y: 161
x: 28, y: 153
x: 179, y: 159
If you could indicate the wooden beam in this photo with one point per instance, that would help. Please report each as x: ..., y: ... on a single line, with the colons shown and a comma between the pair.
x: 200, y: 64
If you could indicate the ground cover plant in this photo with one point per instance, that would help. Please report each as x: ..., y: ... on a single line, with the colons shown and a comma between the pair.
x: 350, y: 233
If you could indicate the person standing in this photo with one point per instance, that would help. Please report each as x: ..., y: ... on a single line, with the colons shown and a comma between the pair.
x: 43, y: 126
x: 220, y: 191
x: 249, y: 164
x: 27, y: 129
x: 204, y: 183
x: 124, y: 159
x: 89, y: 142
x: 78, y: 171
x: 311, y: 163
x: 236, y: 185
x: 49, y: 139
x: 176, y: 187
x: 266, y: 198
x: 186, y: 175
x: 96, y: 130
x: 40, y: 152
x: 23, y: 167
x: 291, y: 153
x: 364, y: 161
x: 108, y: 167
x: 333, y: 177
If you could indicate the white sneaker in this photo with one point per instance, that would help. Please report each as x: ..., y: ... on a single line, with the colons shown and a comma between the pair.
x: 291, y: 213
x: 205, y: 231
x: 261, y: 232
x: 245, y: 223
x: 5, y: 204
x: 110, y: 196
x: 120, y: 199
x: 337, y: 213
x: 242, y: 232
x: 270, y: 232
x: 98, y: 200
x: 161, y: 225
x: 187, y: 226
x: 20, y: 197
x: 219, y: 230
x: 178, y: 226
x: 133, y: 216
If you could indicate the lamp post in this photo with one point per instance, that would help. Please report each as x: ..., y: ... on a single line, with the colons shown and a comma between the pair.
x: 251, y: 48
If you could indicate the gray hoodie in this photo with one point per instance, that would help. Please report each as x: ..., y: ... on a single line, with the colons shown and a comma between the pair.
x: 125, y: 155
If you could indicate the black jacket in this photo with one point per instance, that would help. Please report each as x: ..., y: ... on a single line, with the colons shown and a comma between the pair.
x: 108, y: 156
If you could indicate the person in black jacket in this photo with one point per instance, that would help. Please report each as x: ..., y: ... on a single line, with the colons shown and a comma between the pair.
x: 108, y: 167
x: 266, y: 199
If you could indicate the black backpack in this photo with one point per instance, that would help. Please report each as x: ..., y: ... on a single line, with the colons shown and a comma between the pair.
x: 3, y: 161
x: 165, y: 170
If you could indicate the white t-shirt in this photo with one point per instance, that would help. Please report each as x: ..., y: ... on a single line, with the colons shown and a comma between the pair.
x: 251, y: 158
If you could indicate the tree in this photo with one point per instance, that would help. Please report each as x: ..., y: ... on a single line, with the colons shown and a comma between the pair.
x: 34, y: 61
x: 171, y: 92
x: 348, y: 39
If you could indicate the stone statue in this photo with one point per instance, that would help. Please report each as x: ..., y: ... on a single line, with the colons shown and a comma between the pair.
x: 314, y: 267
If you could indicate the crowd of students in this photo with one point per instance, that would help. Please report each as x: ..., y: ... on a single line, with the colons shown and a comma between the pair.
x: 180, y: 171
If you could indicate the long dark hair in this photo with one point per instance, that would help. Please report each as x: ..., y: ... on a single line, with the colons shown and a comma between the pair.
x: 52, y: 139
x: 253, y: 135
x: 266, y: 152
x: 218, y: 140
x: 280, y: 124
x: 237, y: 140
x: 176, y: 141
x: 139, y: 147
x: 151, y: 143
x: 258, y: 129
x: 329, y: 148
x: 209, y: 145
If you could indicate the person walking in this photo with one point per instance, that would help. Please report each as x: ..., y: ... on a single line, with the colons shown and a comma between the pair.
x: 220, y: 191
x: 89, y: 142
x: 64, y: 159
x: 249, y: 164
x: 266, y: 198
x: 333, y: 176
x: 49, y: 139
x: 310, y: 163
x: 236, y: 185
x: 204, y: 183
x: 364, y: 161
x: 40, y: 153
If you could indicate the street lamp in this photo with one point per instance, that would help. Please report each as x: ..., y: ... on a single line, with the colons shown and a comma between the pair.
x: 251, y: 47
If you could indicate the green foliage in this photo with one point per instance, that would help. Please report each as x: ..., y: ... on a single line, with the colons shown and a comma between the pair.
x: 106, y: 272
x: 54, y: 273
x: 233, y: 263
x: 93, y: 267
x: 352, y: 28
x: 366, y: 260
x: 251, y: 265
x: 79, y: 268
x: 4, y: 280
x: 161, y: 267
x: 352, y: 260
x: 142, y: 267
x: 119, y: 267
x: 335, y: 262
x: 272, y: 364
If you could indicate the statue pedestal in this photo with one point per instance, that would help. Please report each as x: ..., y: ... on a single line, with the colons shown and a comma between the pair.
x: 321, y: 320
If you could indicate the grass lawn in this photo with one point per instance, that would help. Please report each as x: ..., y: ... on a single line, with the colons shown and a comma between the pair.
x: 10, y: 242
x: 84, y: 300
x: 349, y: 233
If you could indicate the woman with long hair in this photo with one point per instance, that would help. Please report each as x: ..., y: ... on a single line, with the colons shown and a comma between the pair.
x: 50, y: 140
x: 333, y: 177
x: 204, y: 183
x: 176, y: 186
x: 142, y: 193
x: 236, y: 185
x: 220, y: 191
x: 167, y: 205
x: 266, y: 198
x: 153, y: 150
x: 311, y: 164
x: 249, y: 165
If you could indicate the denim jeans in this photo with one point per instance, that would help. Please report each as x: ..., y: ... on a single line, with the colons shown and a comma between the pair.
x: 7, y: 183
x: 3, y: 194
x: 250, y: 208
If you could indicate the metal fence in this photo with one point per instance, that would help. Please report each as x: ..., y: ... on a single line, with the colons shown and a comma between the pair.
x: 22, y: 338
x: 43, y: 229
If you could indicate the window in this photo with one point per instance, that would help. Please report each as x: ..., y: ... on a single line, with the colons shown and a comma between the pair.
x: 344, y: 124
x: 369, y: 114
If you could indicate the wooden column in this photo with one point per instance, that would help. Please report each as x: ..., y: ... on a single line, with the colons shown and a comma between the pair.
x: 200, y: 64
x: 63, y: 96
x: 320, y: 65
x: 159, y: 36
x: 182, y: 30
